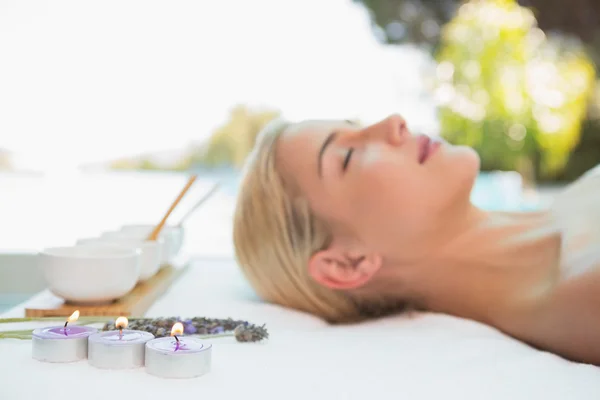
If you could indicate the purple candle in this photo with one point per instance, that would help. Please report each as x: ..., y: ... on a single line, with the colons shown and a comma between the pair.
x: 62, y: 333
x: 62, y: 344
x: 183, y: 345
x: 122, y: 349
x: 178, y: 357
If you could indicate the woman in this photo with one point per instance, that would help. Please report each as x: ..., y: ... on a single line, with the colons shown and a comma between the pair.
x: 349, y: 222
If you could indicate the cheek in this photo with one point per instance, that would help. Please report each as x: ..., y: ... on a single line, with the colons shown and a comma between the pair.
x: 386, y: 187
x: 392, y: 207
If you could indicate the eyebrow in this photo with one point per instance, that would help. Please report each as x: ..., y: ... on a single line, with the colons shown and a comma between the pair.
x: 326, y: 143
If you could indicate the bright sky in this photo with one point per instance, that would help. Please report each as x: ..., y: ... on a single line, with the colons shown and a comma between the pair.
x: 83, y: 81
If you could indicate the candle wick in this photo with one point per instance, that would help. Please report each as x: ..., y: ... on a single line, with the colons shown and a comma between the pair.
x: 120, y: 332
x: 176, y: 338
x: 65, y: 327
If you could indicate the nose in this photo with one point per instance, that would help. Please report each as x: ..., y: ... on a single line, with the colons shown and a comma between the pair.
x: 392, y: 130
x: 397, y: 131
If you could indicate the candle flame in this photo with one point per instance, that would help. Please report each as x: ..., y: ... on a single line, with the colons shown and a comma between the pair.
x: 74, y: 317
x: 121, y: 323
x: 177, y: 329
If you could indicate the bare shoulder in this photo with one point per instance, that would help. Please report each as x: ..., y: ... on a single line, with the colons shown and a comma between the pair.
x: 581, y: 196
x: 563, y: 321
x: 562, y: 317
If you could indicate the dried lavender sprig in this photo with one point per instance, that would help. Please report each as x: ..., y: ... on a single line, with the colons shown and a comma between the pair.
x: 250, y: 333
x: 243, y: 331
x: 86, y: 319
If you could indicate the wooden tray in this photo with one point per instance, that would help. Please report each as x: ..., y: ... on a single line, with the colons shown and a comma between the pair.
x: 135, y: 303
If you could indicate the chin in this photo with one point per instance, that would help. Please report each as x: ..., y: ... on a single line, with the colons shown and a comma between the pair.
x: 472, y: 160
x: 464, y: 168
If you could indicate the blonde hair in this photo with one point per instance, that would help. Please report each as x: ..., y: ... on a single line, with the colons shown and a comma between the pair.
x: 276, y: 233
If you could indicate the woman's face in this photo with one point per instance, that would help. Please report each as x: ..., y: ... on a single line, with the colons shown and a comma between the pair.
x: 390, y: 187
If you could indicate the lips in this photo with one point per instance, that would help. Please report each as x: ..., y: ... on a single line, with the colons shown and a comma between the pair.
x: 427, y: 147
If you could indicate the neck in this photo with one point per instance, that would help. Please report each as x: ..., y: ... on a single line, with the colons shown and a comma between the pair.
x: 458, y: 224
x: 487, y: 258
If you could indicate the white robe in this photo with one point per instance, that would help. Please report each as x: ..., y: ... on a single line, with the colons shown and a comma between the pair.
x: 577, y: 213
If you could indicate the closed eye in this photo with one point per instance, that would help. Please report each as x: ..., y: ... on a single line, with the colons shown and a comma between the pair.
x: 347, y: 158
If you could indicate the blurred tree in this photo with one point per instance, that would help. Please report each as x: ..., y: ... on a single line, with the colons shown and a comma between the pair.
x: 506, y: 89
x: 124, y: 164
x: 5, y: 159
x: 139, y: 163
x: 410, y: 21
x: 580, y: 18
x: 232, y: 142
x: 228, y: 146
x: 585, y: 155
x: 419, y: 21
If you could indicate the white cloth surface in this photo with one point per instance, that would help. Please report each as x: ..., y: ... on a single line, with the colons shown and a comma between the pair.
x: 424, y: 356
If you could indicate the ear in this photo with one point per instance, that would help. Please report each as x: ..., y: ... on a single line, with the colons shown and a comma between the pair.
x: 338, y: 268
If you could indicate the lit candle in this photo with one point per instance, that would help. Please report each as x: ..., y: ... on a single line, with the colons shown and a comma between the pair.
x: 177, y: 356
x: 62, y: 344
x: 122, y: 349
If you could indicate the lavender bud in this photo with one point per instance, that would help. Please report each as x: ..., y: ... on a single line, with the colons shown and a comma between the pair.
x: 160, y: 332
x: 250, y: 333
x: 216, y: 329
x: 189, y: 329
x: 202, y: 331
x: 161, y: 323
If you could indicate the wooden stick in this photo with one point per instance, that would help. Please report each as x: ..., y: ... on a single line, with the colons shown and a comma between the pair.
x: 208, y: 195
x: 158, y: 228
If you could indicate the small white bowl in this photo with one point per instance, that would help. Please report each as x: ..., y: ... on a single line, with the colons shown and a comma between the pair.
x: 92, y: 274
x: 171, y: 235
x: 161, y: 240
x: 150, y: 251
x: 178, y: 235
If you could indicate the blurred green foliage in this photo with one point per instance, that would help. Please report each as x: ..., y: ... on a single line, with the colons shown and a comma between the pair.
x: 231, y: 143
x: 228, y: 145
x: 506, y: 89
x: 418, y: 22
x: 5, y: 160
x: 149, y: 163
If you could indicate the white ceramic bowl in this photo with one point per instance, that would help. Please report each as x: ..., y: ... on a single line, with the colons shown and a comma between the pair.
x: 150, y: 251
x: 172, y: 236
x: 177, y: 234
x: 93, y: 274
x: 141, y: 236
